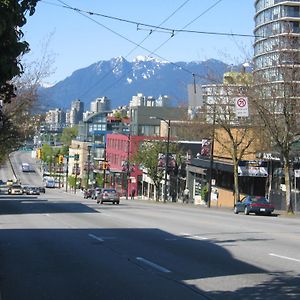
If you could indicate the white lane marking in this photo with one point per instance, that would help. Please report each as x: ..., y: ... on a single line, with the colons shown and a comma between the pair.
x: 153, y: 265
x: 284, y: 257
x: 192, y: 236
x: 96, y: 237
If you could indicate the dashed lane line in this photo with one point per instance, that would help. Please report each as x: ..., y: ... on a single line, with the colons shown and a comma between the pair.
x: 284, y: 257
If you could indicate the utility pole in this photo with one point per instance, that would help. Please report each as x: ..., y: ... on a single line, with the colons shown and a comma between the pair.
x: 67, y: 172
x: 76, y: 158
x: 88, y: 166
x: 167, y: 161
x: 128, y: 167
x: 211, y: 158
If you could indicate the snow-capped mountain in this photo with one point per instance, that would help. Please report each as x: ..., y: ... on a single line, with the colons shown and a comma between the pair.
x: 119, y: 80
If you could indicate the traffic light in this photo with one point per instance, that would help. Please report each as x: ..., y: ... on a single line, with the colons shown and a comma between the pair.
x: 60, y: 159
x: 39, y: 153
x: 76, y: 157
x: 105, y: 165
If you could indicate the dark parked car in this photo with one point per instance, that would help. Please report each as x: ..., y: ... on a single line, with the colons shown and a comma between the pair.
x: 42, y: 189
x: 108, y: 195
x: 254, y: 204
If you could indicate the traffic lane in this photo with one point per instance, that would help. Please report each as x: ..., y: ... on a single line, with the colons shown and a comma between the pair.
x: 144, y: 257
x: 73, y: 264
x: 230, y: 273
x: 32, y: 178
x: 247, y: 241
x: 176, y: 259
x: 261, y: 241
x: 27, y: 204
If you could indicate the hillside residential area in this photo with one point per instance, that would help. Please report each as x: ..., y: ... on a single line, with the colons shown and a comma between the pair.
x: 182, y: 183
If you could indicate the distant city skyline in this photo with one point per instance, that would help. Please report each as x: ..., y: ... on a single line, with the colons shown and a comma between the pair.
x: 78, y: 40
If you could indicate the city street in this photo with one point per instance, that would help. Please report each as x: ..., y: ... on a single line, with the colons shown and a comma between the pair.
x: 60, y: 246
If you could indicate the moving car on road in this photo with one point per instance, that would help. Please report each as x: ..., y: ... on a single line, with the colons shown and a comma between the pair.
x: 15, y: 189
x: 33, y: 191
x: 108, y: 195
x: 49, y: 182
x: 254, y: 204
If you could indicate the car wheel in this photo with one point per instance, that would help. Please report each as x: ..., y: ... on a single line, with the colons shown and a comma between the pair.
x: 246, y: 211
x: 235, y: 210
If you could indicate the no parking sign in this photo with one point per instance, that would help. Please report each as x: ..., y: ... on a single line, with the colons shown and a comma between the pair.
x: 241, y: 106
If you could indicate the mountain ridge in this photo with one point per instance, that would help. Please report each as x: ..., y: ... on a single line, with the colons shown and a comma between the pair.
x: 119, y: 80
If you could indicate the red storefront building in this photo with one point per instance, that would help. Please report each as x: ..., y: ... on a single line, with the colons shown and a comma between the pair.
x: 124, y: 176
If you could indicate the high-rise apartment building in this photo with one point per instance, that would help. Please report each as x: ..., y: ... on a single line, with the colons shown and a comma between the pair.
x: 277, y: 39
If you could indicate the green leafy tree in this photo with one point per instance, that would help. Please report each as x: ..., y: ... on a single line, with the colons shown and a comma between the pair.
x: 68, y: 135
x: 12, y: 47
x: 148, y: 158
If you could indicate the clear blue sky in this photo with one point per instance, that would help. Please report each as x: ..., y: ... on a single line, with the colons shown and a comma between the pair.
x: 78, y: 42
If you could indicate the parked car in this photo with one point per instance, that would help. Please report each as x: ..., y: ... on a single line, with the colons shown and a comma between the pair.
x: 15, y: 189
x: 108, y: 195
x: 254, y: 204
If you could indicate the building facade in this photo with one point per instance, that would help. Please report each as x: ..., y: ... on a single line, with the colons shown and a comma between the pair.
x: 76, y: 113
x: 277, y: 33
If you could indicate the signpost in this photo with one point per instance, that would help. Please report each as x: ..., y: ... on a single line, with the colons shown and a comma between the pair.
x: 241, y: 106
x: 296, y: 175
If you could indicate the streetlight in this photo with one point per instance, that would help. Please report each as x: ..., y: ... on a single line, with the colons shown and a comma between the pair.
x: 88, y: 166
x: 168, y: 122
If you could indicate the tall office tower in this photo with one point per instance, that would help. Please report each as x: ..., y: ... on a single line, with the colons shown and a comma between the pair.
x: 102, y: 104
x: 76, y: 113
x: 277, y: 41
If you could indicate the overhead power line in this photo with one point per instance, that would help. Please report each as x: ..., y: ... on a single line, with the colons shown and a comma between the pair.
x: 137, y: 46
x: 88, y: 15
x: 151, y: 27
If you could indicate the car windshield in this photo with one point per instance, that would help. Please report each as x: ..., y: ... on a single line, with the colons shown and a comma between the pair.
x: 16, y: 187
x: 109, y: 191
x: 258, y: 199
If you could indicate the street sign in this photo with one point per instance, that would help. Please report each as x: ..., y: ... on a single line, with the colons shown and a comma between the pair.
x: 241, y: 106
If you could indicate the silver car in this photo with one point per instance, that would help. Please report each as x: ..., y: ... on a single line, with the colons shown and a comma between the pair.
x: 108, y: 195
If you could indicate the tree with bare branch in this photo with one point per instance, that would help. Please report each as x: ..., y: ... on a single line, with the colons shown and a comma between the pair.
x: 276, y: 99
x: 234, y: 137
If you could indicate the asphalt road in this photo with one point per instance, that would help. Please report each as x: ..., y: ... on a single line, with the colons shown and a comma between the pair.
x: 61, y: 246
